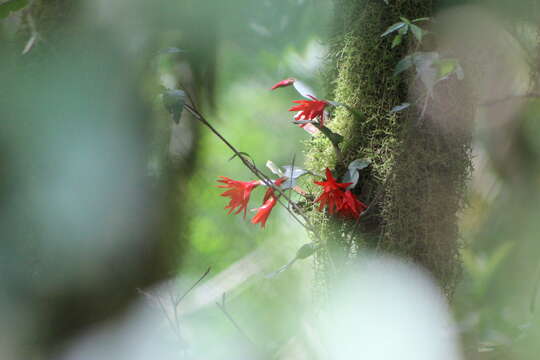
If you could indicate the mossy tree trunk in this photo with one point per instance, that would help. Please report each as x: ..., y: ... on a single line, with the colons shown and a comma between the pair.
x: 420, y: 158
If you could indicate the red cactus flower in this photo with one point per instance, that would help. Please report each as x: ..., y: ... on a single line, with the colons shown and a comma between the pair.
x: 310, y: 109
x: 239, y: 192
x: 351, y: 207
x: 264, y: 211
x: 283, y: 83
x: 269, y: 201
x: 333, y: 193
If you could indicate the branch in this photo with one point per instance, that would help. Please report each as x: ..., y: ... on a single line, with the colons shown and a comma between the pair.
x: 230, y: 318
x: 265, y: 179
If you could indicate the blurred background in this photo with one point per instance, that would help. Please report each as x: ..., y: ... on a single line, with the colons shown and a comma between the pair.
x: 109, y: 210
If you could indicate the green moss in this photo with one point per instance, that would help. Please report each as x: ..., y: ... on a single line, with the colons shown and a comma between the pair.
x: 419, y: 168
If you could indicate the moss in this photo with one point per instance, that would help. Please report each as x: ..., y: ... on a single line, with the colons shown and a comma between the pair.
x: 419, y: 169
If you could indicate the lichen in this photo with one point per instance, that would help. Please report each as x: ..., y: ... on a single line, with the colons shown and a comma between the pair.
x: 419, y: 168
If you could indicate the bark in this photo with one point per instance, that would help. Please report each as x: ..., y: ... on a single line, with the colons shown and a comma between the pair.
x: 420, y: 163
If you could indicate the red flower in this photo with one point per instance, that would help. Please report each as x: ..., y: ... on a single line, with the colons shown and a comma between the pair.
x: 351, y: 207
x: 333, y: 193
x: 283, y: 83
x: 264, y: 211
x: 269, y: 201
x: 239, y: 193
x: 309, y: 109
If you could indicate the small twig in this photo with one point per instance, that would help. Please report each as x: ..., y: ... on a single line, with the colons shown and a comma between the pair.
x: 193, y: 286
x: 424, y: 108
x: 35, y: 36
x: 230, y: 318
x: 265, y: 179
x: 190, y: 98
x: 291, y: 180
x: 281, y: 269
x: 174, y: 322
x: 335, y: 139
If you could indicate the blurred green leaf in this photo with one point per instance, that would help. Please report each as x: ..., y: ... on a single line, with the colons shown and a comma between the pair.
x: 359, y: 164
x: 498, y: 256
x: 446, y: 67
x: 174, y: 101
x: 11, y: 6
x: 393, y: 28
x: 294, y: 172
x: 405, y: 20
x: 417, y: 32
x: 274, y: 168
x: 397, y: 40
x: 241, y: 153
x: 172, y: 50
x: 400, y: 107
x: 352, y: 175
x: 335, y: 138
x: 306, y: 251
x: 404, y: 64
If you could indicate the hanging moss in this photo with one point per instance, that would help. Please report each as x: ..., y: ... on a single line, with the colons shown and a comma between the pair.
x: 419, y: 166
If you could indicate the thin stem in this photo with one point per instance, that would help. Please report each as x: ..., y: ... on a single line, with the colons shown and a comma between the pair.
x: 235, y: 324
x: 177, y: 301
x: 291, y: 179
x: 334, y: 139
x: 267, y: 181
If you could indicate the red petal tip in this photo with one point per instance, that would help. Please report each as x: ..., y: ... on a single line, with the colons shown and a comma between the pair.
x: 283, y: 83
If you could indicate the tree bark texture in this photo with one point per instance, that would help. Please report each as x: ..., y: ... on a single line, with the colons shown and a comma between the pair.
x: 420, y: 157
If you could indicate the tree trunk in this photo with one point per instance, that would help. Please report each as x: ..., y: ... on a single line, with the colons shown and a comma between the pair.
x: 420, y: 157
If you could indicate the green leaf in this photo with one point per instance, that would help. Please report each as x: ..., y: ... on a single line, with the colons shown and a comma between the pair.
x: 397, y: 40
x: 335, y: 138
x: 393, y: 28
x: 172, y: 50
x: 352, y: 175
x: 417, y: 32
x: 421, y: 19
x: 306, y: 250
x: 359, y: 164
x: 294, y: 171
x: 292, y: 174
x: 303, y: 252
x: 405, y: 20
x: 274, y: 168
x: 11, y: 6
x: 241, y: 153
x: 304, y: 122
x: 404, y: 64
x: 358, y: 116
x: 174, y: 101
x: 400, y: 107
x: 426, y: 71
x: 446, y: 67
x: 499, y: 255
x: 403, y: 30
